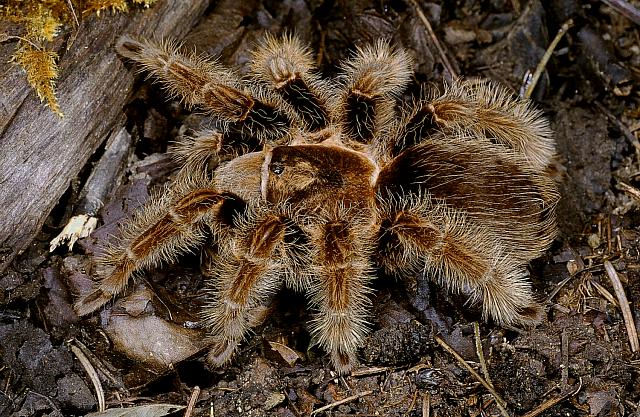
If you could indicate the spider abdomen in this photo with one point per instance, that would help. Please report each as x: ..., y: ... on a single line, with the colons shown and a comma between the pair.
x: 490, y: 184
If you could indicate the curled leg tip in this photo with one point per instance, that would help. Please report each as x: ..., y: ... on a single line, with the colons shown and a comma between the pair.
x: 221, y: 352
x: 343, y: 362
x: 91, y: 302
x: 531, y: 315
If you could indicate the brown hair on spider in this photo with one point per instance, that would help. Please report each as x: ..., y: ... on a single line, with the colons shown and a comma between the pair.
x: 454, y: 187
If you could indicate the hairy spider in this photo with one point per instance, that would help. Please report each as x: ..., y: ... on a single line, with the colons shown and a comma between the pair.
x: 340, y: 182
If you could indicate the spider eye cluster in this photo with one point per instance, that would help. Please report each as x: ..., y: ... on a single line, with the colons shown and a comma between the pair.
x: 277, y: 168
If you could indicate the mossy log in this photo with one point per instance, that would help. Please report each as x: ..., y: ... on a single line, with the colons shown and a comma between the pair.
x: 41, y: 153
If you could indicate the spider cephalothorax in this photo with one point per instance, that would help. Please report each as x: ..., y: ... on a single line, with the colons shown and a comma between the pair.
x: 340, y: 183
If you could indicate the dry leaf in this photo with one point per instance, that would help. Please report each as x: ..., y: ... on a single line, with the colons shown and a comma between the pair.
x: 289, y: 355
x: 149, y: 410
x: 152, y: 340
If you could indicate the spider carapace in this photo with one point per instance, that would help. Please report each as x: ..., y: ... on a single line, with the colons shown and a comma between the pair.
x: 452, y: 187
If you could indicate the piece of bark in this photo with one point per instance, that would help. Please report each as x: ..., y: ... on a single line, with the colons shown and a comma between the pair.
x: 41, y: 153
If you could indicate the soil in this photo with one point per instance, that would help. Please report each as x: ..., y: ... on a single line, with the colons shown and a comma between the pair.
x: 147, y: 349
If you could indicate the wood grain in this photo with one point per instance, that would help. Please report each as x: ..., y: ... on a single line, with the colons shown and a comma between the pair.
x: 41, y: 153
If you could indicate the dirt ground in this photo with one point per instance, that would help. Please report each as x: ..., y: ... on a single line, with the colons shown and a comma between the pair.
x: 578, y: 362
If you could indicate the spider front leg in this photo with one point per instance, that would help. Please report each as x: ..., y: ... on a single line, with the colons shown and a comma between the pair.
x: 371, y: 81
x: 208, y: 84
x: 251, y: 266
x: 339, y: 290
x: 203, y: 153
x: 418, y: 236
x: 286, y: 67
x: 168, y: 226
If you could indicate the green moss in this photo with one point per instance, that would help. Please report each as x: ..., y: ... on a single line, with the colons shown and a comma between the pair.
x: 42, y: 21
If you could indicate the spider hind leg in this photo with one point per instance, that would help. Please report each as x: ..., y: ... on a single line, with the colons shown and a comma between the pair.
x: 511, y: 199
x: 420, y: 236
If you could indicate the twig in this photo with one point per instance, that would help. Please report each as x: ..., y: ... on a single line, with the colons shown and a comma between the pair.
x: 342, y: 401
x: 635, y: 193
x: 73, y: 12
x: 426, y: 405
x: 192, y: 401
x: 480, y: 353
x: 545, y: 58
x: 99, y: 366
x: 499, y: 401
x: 516, y: 6
x: 557, y: 289
x: 609, y: 246
x: 624, y: 8
x: 550, y: 403
x: 564, y: 350
x: 345, y: 383
x: 445, y: 60
x: 5, y: 391
x: 580, y: 268
x: 621, y: 126
x: 629, y: 403
x: 74, y: 34
x: 4, y: 37
x: 624, y: 306
x: 93, y: 375
x: 370, y: 371
x: 606, y: 294
x: 295, y: 410
x: 413, y: 403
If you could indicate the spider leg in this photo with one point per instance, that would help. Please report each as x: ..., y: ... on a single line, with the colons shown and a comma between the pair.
x: 167, y: 226
x: 418, y: 236
x: 205, y: 150
x: 200, y: 82
x: 511, y: 198
x: 287, y: 67
x: 249, y: 269
x: 483, y: 110
x: 339, y: 290
x: 371, y: 81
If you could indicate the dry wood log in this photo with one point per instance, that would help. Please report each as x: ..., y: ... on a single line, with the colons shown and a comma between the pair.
x: 41, y: 153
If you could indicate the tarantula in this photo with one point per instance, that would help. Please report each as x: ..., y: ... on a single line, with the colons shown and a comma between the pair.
x: 333, y: 180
